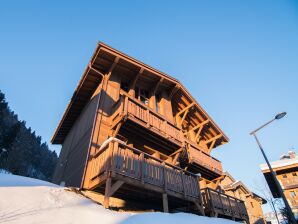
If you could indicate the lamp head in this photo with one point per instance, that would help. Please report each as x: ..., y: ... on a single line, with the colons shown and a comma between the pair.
x: 280, y: 115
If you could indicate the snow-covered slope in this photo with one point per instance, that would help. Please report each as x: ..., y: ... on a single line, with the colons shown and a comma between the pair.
x: 26, y: 200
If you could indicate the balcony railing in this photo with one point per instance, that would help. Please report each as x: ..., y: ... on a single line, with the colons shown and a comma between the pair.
x: 144, y: 115
x: 198, y: 156
x: 222, y: 204
x: 289, y: 182
x: 117, y: 157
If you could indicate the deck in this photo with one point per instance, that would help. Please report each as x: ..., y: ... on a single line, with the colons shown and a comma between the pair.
x: 221, y: 205
x: 125, y: 164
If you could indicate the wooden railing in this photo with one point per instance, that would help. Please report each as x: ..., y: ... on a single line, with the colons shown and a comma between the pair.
x: 128, y: 106
x: 289, y: 182
x: 223, y: 204
x: 198, y: 156
x: 118, y: 158
x: 141, y: 113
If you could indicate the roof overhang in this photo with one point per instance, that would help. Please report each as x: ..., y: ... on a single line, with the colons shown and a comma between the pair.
x: 99, y: 64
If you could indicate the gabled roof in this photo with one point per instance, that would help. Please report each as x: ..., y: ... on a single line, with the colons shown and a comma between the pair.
x: 237, y: 183
x: 99, y: 64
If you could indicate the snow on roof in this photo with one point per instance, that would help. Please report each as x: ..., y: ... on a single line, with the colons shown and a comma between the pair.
x: 25, y: 200
x: 280, y: 163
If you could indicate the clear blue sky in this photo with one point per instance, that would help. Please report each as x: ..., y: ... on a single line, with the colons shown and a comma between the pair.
x: 239, y: 59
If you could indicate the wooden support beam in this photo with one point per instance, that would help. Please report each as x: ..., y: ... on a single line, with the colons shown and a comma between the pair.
x: 198, y: 137
x: 200, y: 125
x: 176, y: 158
x: 117, y: 128
x: 200, y: 208
x: 183, y: 118
x: 174, y: 90
x: 116, y: 60
x: 185, y: 109
x: 174, y: 153
x: 106, y: 203
x: 155, y: 88
x: 132, y: 86
x: 115, y: 187
x: 211, y: 146
x: 214, y: 138
x: 165, y: 203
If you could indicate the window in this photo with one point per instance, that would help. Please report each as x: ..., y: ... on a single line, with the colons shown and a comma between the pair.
x: 142, y: 95
x: 294, y: 174
x: 284, y: 176
x: 293, y: 194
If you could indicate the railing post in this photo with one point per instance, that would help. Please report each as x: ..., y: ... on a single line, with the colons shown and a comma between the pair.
x: 230, y: 206
x: 209, y: 196
x: 142, y: 160
x: 183, y: 184
x: 108, y: 164
x: 165, y: 176
x: 126, y: 105
x: 147, y: 117
x: 112, y: 156
x: 220, y: 199
x: 239, y: 211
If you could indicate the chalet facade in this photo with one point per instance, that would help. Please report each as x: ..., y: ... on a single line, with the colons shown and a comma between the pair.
x: 134, y: 133
x: 286, y: 170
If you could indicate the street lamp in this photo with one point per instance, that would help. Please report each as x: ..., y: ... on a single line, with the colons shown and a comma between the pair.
x: 280, y: 191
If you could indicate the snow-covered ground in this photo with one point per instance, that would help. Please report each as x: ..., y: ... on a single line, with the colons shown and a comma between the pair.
x: 26, y: 200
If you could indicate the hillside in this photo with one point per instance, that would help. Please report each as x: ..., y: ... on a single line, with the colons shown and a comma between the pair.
x: 25, y: 200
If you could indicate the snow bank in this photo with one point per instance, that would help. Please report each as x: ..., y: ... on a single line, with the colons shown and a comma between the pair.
x: 26, y: 200
x: 7, y: 180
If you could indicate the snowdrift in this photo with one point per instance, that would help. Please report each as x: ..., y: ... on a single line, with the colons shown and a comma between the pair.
x: 25, y: 200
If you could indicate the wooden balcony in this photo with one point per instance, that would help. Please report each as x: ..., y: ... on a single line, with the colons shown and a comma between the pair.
x: 222, y: 205
x: 121, y: 162
x: 132, y: 109
x: 143, y: 115
x: 289, y: 183
x: 200, y: 158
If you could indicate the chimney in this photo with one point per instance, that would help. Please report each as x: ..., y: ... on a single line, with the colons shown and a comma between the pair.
x: 292, y: 154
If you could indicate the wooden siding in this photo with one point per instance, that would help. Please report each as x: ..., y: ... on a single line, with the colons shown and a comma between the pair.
x: 74, y: 150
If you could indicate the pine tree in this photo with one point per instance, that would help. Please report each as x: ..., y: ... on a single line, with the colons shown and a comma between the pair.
x: 21, y: 150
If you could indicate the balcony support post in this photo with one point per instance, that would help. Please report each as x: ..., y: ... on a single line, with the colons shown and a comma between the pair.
x: 165, y: 203
x: 106, y: 202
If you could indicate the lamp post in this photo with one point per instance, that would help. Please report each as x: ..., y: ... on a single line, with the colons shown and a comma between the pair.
x: 279, y: 189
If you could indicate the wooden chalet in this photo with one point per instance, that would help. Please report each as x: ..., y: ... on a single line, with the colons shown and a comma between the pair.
x: 135, y: 133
